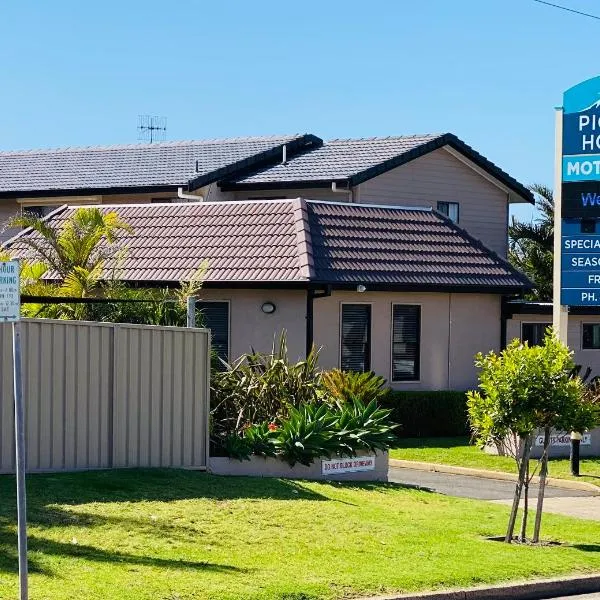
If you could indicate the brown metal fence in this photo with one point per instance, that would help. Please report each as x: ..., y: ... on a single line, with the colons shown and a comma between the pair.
x: 102, y: 395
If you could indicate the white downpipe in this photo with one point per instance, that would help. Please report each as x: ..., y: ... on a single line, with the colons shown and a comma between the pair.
x: 348, y: 190
x: 184, y: 196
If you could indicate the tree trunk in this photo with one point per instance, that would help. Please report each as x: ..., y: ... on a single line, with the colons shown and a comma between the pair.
x: 540, y: 499
x: 510, y: 532
x: 523, y: 534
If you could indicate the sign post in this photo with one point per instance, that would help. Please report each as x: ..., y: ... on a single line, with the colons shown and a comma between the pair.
x: 10, y: 312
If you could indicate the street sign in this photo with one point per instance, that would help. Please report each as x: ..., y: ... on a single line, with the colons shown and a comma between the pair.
x: 578, y: 204
x: 10, y: 304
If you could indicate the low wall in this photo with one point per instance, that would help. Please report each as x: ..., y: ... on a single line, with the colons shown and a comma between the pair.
x: 259, y: 466
x: 561, y: 446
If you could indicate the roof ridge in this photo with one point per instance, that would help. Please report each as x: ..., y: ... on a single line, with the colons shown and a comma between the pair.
x: 173, y: 143
x: 303, y: 239
x: 409, y: 136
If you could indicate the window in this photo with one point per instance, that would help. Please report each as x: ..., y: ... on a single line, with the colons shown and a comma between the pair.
x: 406, y: 342
x: 38, y: 212
x: 533, y: 333
x: 591, y: 336
x: 356, y: 337
x: 450, y: 209
x: 215, y: 316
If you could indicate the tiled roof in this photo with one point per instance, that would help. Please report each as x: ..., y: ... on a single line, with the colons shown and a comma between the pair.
x: 166, y: 164
x: 407, y: 247
x: 302, y: 241
x: 337, y: 160
x: 353, y: 161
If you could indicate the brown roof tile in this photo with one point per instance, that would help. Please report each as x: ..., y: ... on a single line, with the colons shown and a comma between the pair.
x: 301, y: 241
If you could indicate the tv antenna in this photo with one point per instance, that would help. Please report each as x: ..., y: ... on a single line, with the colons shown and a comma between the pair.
x: 152, y: 129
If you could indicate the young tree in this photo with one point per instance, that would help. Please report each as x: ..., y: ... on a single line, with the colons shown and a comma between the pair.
x: 523, y: 390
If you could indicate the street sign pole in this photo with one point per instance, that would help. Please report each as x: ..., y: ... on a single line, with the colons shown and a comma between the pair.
x: 10, y: 312
x: 20, y: 461
x: 560, y: 313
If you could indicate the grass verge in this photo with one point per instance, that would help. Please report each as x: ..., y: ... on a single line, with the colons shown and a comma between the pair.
x: 179, y: 535
x: 458, y: 452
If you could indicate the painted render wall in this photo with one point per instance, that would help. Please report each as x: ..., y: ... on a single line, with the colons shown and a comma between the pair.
x: 439, y: 176
x: 454, y: 327
x: 585, y: 358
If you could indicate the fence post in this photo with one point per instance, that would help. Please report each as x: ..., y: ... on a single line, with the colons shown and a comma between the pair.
x: 191, y: 311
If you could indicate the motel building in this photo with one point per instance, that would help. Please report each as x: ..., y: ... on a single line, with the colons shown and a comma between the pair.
x: 389, y: 254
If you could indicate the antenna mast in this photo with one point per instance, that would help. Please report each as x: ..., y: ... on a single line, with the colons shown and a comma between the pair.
x: 151, y: 128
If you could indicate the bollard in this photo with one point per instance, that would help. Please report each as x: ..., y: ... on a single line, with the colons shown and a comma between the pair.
x: 575, y: 443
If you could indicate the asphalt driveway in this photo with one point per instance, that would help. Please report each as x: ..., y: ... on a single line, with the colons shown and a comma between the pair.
x: 577, y: 503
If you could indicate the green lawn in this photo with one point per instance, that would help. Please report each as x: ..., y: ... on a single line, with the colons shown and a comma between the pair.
x: 457, y: 451
x: 180, y: 535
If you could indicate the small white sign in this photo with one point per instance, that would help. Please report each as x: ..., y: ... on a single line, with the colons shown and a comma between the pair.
x: 563, y: 439
x: 347, y: 465
x: 10, y: 298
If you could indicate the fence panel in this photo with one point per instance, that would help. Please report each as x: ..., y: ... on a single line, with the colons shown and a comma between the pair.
x: 101, y: 395
x: 161, y: 391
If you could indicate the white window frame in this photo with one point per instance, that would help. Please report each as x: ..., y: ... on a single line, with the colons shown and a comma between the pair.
x: 391, y: 372
x: 228, y: 302
x: 547, y: 323
x: 581, y: 325
x: 341, y: 304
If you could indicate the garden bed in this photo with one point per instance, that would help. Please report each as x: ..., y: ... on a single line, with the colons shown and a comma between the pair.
x: 259, y: 466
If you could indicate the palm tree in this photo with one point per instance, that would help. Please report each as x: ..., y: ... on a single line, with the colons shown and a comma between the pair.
x: 531, y: 245
x: 69, y: 260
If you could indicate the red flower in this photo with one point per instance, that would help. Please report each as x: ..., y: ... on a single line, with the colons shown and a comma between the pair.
x: 273, y: 427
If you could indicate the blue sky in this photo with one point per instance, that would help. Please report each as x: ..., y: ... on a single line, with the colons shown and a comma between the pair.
x: 491, y: 71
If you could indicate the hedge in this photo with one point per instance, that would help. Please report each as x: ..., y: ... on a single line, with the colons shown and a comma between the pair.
x: 428, y: 414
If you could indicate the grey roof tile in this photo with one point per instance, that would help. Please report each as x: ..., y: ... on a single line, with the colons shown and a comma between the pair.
x: 301, y: 241
x: 127, y: 166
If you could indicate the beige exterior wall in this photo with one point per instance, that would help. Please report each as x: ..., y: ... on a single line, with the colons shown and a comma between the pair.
x: 454, y: 327
x: 439, y: 176
x: 99, y: 395
x: 249, y: 327
x: 585, y: 358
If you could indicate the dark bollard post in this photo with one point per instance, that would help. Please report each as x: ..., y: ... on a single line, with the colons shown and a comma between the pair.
x: 575, y: 443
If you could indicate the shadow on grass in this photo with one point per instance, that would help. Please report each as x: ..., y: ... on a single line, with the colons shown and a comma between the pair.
x: 587, y: 547
x: 134, y: 485
x: 9, y: 560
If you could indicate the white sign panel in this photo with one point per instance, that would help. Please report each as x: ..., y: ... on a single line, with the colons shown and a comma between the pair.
x: 563, y: 439
x: 10, y: 299
x: 347, y: 465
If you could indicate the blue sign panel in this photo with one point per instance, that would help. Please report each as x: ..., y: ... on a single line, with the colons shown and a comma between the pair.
x: 580, y: 252
x: 580, y: 265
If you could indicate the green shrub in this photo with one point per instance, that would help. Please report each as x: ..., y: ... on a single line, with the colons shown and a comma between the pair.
x: 308, y: 433
x: 260, y: 439
x: 343, y: 386
x: 428, y: 414
x: 363, y: 426
x: 260, y: 388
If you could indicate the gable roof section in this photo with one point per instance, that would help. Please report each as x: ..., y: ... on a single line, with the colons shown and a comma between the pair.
x: 139, y: 167
x: 349, y: 162
x: 296, y: 243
